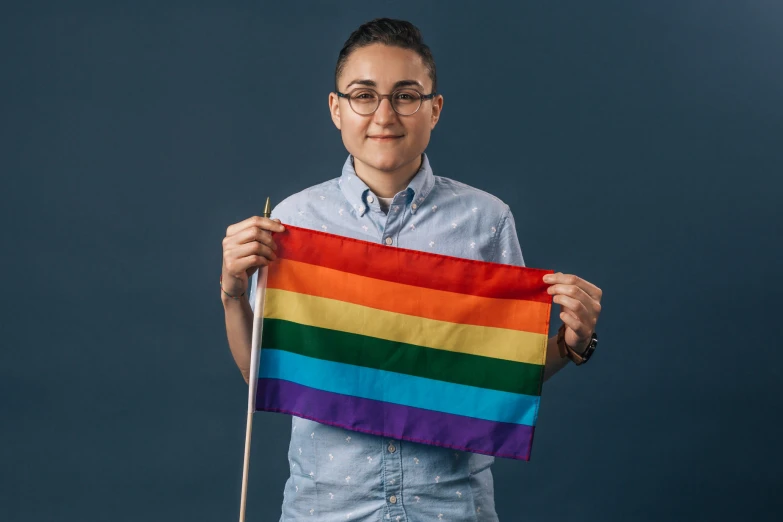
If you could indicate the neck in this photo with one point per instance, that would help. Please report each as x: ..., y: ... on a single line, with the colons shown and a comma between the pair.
x: 386, y: 184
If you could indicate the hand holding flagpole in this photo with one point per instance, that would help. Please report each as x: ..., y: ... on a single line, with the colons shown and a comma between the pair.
x: 255, y: 349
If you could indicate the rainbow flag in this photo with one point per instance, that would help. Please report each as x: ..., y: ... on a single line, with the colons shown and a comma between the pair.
x: 404, y: 344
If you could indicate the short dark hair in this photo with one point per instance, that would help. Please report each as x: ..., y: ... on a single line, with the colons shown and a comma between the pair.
x: 387, y: 31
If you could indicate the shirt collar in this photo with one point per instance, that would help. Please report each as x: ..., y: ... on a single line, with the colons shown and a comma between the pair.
x: 356, y: 191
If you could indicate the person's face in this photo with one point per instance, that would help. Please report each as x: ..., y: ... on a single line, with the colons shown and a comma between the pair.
x: 385, y: 66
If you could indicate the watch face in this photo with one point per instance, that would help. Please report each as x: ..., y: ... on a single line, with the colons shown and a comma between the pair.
x: 590, y: 348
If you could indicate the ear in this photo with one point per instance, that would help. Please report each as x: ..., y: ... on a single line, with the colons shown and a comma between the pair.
x: 334, y: 109
x: 437, y: 107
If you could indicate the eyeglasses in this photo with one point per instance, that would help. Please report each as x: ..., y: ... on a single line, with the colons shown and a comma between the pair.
x: 405, y: 102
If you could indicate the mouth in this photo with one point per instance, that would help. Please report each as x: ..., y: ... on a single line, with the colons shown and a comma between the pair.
x: 384, y: 138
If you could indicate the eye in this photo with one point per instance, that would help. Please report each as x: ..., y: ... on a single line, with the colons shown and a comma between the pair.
x: 363, y: 95
x: 407, y: 95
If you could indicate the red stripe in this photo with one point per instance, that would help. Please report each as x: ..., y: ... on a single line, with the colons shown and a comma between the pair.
x: 412, y: 267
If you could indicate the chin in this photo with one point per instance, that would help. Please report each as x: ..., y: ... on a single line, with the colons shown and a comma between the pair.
x: 386, y: 161
x: 386, y: 164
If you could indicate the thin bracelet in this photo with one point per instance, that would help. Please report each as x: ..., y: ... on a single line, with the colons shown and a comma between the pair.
x: 231, y: 296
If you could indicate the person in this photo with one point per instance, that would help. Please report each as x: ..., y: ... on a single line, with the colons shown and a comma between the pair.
x: 386, y: 105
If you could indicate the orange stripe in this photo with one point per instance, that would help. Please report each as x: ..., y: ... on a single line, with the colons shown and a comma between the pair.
x: 412, y: 267
x: 303, y: 278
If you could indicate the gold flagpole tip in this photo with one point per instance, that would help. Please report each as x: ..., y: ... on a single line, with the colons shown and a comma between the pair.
x: 267, y: 208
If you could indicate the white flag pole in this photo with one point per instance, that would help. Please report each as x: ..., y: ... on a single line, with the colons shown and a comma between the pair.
x: 255, y: 350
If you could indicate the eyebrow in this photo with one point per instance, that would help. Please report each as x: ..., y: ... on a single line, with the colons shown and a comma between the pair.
x: 371, y: 83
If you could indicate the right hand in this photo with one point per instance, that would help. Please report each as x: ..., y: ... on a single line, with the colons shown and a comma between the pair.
x: 247, y: 246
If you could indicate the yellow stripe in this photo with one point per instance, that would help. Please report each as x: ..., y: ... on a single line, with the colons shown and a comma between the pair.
x: 486, y: 341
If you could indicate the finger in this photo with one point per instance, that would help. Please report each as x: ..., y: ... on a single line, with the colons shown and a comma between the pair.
x: 238, y: 265
x: 243, y: 264
x: 272, y: 225
x: 571, y: 291
x: 253, y: 234
x: 563, y: 310
x: 572, y: 304
x: 578, y: 327
x: 249, y: 249
x: 263, y: 250
x: 237, y: 227
x: 570, y: 279
x: 591, y: 305
x: 258, y: 221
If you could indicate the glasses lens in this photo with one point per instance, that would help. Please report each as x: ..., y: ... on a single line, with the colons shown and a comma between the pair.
x: 406, y: 101
x: 364, y: 101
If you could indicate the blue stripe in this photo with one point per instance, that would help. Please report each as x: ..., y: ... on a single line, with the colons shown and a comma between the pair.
x: 399, y: 388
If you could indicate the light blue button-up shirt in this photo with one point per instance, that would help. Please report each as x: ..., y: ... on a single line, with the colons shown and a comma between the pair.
x: 343, y: 475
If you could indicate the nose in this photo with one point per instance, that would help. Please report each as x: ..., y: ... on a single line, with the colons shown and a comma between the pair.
x: 385, y: 112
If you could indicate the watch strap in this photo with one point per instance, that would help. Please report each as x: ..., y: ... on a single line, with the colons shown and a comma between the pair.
x: 567, y: 351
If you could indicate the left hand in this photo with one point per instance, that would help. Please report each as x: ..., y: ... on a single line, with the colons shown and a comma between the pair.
x: 580, y: 306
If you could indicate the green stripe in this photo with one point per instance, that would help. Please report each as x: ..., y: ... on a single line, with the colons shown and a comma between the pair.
x: 410, y: 359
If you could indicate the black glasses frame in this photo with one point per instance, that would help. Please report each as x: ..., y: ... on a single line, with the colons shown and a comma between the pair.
x: 422, y: 99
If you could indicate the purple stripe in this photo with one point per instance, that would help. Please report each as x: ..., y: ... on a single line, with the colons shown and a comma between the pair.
x: 500, y: 439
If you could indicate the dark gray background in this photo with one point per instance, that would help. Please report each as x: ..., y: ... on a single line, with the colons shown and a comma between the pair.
x: 637, y: 143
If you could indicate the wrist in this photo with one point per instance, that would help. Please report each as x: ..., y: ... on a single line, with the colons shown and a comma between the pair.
x: 580, y: 348
x: 232, y: 288
x: 571, y: 352
x: 228, y: 302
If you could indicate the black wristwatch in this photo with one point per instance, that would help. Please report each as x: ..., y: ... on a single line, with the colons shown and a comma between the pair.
x: 567, y: 351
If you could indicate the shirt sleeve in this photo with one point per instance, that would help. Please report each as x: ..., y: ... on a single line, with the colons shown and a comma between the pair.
x: 508, y: 250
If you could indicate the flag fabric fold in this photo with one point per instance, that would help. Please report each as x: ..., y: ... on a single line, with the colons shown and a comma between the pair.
x: 404, y: 344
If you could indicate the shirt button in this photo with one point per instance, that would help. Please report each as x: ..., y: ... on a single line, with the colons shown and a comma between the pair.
x: 389, y: 241
x: 392, y: 449
x: 370, y: 199
x: 413, y: 206
x: 393, y: 499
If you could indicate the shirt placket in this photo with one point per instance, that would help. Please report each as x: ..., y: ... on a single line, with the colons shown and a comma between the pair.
x: 394, y: 220
x: 392, y: 486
